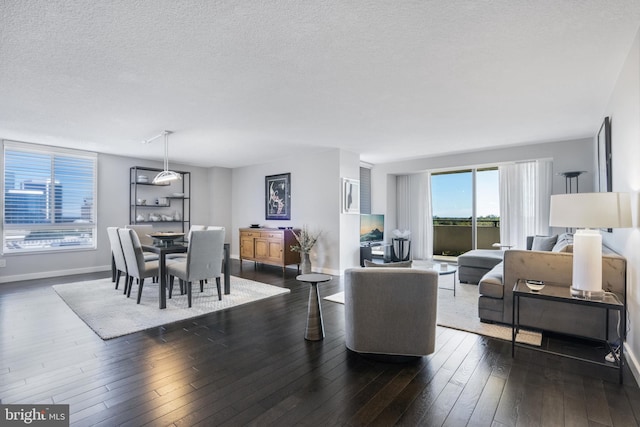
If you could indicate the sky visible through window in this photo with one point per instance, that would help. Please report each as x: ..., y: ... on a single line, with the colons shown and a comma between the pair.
x: 452, y: 198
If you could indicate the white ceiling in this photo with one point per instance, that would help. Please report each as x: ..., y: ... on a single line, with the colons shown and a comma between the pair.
x: 246, y: 82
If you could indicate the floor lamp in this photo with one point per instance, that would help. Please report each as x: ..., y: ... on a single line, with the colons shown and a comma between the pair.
x: 589, y: 212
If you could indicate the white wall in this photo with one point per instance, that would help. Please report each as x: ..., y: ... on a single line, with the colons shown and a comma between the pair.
x: 624, y: 110
x: 113, y: 210
x: 218, y: 200
x: 574, y: 155
x: 315, y: 201
x: 349, y: 223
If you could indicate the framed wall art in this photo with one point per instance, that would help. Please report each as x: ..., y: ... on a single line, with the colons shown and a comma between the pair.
x: 604, y: 157
x: 350, y: 196
x: 277, y: 190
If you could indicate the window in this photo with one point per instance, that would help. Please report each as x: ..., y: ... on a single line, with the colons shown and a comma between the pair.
x: 466, y: 210
x: 49, y: 199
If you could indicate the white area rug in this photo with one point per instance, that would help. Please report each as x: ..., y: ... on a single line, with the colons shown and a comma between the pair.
x: 461, y: 312
x: 111, y: 314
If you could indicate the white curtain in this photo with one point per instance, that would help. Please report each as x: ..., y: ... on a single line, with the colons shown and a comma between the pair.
x: 525, y: 194
x: 413, y: 212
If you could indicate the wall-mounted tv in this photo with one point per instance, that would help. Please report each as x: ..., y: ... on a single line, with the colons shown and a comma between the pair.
x: 371, y: 228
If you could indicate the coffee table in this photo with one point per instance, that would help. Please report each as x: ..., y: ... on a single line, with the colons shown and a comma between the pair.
x: 446, y: 269
x: 315, y: 327
x: 443, y: 269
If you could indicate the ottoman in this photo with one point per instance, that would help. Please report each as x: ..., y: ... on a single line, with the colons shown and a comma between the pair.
x: 474, y: 264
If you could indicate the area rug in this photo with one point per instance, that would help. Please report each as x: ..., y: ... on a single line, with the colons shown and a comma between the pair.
x: 461, y: 312
x: 111, y: 314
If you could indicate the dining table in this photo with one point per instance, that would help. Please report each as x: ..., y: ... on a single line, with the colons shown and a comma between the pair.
x: 162, y: 249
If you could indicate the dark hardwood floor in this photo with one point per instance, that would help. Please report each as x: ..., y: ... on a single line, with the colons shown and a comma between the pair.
x: 250, y: 365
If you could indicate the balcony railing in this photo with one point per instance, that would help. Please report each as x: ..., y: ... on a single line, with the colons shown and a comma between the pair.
x: 453, y: 236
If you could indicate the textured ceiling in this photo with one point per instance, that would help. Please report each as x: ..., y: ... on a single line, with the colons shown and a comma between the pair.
x: 246, y: 82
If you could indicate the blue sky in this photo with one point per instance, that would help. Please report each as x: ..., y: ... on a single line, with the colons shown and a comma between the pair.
x: 451, y: 194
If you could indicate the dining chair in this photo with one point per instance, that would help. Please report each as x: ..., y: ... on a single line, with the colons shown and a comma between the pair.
x: 143, y: 231
x: 137, y: 266
x: 183, y: 257
x: 118, y: 256
x: 204, y: 261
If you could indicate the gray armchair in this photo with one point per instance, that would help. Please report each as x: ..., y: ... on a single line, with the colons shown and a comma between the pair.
x: 391, y: 311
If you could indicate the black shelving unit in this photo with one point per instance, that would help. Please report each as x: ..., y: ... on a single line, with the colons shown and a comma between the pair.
x: 146, y: 212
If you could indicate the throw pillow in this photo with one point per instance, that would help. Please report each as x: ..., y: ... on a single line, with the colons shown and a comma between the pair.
x: 564, y: 240
x: 401, y: 264
x: 544, y: 243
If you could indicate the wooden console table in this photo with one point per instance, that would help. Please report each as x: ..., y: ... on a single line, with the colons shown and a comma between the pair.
x: 268, y: 246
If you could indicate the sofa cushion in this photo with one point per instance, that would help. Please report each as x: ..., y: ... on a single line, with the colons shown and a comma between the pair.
x: 564, y: 240
x: 544, y: 243
x: 491, y: 283
x: 400, y: 264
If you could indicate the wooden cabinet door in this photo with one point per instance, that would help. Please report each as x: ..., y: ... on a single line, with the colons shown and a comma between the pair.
x: 274, y: 250
x: 261, y: 248
x: 246, y: 246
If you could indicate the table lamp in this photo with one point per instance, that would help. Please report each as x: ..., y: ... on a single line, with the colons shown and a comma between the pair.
x: 589, y: 212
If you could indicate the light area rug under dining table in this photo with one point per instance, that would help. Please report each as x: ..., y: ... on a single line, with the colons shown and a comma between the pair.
x: 461, y: 312
x: 111, y: 314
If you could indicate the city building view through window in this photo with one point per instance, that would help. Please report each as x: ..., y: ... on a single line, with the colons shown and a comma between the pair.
x: 48, y: 200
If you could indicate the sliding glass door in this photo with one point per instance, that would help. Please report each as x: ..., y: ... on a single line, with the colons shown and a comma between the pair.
x: 466, y: 210
x: 487, y: 202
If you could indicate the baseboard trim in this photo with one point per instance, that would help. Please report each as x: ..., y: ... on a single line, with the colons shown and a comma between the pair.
x: 633, y: 362
x: 57, y: 273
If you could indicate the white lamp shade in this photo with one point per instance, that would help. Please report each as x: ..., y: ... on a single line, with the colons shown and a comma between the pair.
x: 590, y: 210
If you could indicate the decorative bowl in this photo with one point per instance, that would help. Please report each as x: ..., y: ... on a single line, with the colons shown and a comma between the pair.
x: 535, y: 285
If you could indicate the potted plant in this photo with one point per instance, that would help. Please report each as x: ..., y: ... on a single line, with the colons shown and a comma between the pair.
x: 306, y: 240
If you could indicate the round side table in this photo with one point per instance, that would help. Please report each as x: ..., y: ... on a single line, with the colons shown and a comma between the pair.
x: 315, y: 327
x: 450, y: 269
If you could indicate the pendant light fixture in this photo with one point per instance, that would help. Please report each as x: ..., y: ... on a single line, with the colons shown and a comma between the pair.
x: 166, y: 175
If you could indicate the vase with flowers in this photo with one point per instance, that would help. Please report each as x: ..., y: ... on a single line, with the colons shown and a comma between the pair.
x: 306, y: 241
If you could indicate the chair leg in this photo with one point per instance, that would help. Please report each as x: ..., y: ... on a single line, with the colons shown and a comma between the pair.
x: 182, y: 290
x: 140, y: 290
x: 189, y: 293
x: 129, y: 285
x: 171, y: 285
x: 118, y: 273
x: 219, y: 288
x: 201, y: 285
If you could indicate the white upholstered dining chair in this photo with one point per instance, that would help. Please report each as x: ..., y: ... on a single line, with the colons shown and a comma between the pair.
x: 118, y: 256
x: 137, y: 266
x: 204, y: 261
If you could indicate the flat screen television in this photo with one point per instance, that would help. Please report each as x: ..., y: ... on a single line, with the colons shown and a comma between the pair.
x: 371, y: 229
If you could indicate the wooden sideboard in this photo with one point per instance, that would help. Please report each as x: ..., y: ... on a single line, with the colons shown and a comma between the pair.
x: 268, y: 246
